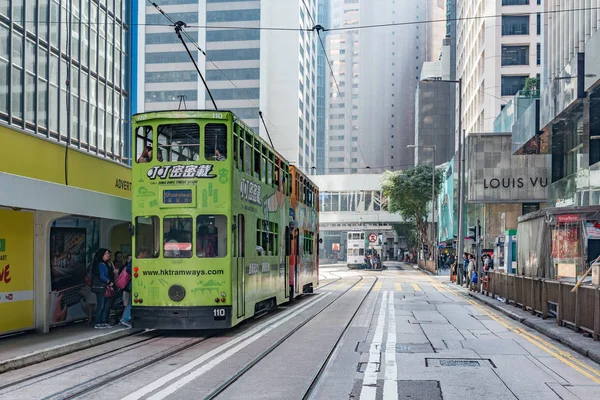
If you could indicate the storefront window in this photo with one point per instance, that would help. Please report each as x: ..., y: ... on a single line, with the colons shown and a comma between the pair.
x: 177, y: 237
x: 211, y: 236
x: 146, y: 237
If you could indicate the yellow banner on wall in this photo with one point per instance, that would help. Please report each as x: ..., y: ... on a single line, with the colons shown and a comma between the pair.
x: 16, y: 271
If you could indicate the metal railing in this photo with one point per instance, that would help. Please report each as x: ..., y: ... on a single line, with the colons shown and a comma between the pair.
x: 579, y: 310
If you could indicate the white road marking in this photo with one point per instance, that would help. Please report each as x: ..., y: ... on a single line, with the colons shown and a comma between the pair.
x: 369, y: 386
x: 247, y: 338
x: 390, y: 384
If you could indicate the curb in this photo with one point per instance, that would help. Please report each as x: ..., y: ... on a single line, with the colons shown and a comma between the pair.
x: 544, y: 330
x: 63, y: 349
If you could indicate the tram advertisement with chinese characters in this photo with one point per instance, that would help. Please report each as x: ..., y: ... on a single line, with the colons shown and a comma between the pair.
x: 16, y: 271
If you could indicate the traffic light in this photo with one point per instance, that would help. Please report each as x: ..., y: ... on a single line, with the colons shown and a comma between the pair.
x: 475, y: 231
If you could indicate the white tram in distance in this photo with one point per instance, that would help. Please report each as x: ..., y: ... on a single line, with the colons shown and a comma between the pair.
x: 356, y: 249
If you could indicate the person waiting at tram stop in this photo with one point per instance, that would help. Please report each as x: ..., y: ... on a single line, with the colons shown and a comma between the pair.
x: 102, y: 286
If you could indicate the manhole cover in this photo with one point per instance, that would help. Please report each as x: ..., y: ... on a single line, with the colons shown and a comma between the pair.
x: 459, y: 363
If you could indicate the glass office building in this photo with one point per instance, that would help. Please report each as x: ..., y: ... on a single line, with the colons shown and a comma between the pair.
x: 63, y: 72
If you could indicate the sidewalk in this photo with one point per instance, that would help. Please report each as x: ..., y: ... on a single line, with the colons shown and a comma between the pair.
x: 583, y: 345
x: 19, y: 351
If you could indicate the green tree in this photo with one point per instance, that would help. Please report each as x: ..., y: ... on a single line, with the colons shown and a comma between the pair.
x: 532, y: 87
x: 409, y: 194
x: 408, y: 231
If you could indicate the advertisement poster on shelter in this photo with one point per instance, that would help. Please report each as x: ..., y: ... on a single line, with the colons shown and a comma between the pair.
x: 67, y: 272
x: 16, y: 271
x: 565, y: 243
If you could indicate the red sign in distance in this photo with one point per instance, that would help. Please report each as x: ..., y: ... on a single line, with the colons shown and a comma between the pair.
x: 567, y: 218
x: 372, y: 238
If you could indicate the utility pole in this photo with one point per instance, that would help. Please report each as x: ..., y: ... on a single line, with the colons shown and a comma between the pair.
x: 460, y: 248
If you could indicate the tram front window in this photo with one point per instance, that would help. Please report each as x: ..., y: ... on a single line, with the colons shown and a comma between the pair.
x: 178, y: 142
x: 177, y: 237
x: 147, y: 237
x: 211, y: 236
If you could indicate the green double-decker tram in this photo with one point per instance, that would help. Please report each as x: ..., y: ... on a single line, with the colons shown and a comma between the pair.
x: 213, y: 223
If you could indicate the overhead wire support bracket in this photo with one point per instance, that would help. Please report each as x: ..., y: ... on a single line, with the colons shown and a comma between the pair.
x: 179, y: 25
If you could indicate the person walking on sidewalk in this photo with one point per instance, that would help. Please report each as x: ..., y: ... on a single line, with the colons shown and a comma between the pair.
x: 101, y: 285
x: 470, y: 269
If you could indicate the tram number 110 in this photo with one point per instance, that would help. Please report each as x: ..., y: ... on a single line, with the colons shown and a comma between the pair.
x: 219, y: 314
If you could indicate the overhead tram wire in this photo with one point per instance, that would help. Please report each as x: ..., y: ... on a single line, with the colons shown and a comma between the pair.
x: 318, y: 28
x: 270, y: 28
x: 197, y: 46
x: 391, y: 24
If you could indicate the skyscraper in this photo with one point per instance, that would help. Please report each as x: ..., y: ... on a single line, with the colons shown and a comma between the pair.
x: 495, y: 55
x: 322, y: 80
x: 377, y: 70
x: 247, y: 69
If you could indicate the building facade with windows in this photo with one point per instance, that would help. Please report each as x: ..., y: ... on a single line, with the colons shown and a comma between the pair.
x: 246, y: 69
x: 495, y: 55
x: 570, y: 103
x: 64, y: 153
x: 322, y: 81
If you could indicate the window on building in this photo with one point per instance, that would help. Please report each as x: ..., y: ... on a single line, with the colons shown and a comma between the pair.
x: 530, y: 207
x: 539, y: 24
x: 512, y: 84
x: 539, y: 54
x: 515, y: 55
x: 515, y: 2
x: 515, y: 25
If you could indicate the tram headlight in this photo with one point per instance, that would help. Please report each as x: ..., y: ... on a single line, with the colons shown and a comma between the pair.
x: 135, y: 269
x: 217, y: 300
x: 222, y: 294
x: 135, y: 294
x: 223, y: 300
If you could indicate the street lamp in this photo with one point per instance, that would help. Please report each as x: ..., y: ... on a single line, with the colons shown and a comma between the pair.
x: 412, y: 146
x: 461, y: 178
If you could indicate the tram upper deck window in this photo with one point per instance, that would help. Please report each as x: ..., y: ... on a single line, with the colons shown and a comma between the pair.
x: 143, y: 143
x: 177, y: 236
x: 178, y: 142
x: 211, y: 236
x: 147, y: 233
x: 215, y: 142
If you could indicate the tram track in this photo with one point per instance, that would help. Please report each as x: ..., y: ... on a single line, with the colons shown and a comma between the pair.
x: 108, y: 377
x: 231, y: 381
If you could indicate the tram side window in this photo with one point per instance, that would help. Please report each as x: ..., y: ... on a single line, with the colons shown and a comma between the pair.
x: 143, y: 141
x: 177, y: 236
x: 267, y: 238
x: 211, y: 236
x: 235, y: 151
x: 179, y: 142
x: 147, y: 233
x: 257, y: 161
x: 308, y: 242
x: 248, y: 156
x: 215, y: 142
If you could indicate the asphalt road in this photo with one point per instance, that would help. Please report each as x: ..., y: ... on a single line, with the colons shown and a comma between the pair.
x: 392, y: 334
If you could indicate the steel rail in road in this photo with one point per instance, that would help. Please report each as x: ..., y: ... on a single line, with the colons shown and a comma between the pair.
x: 229, y: 382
